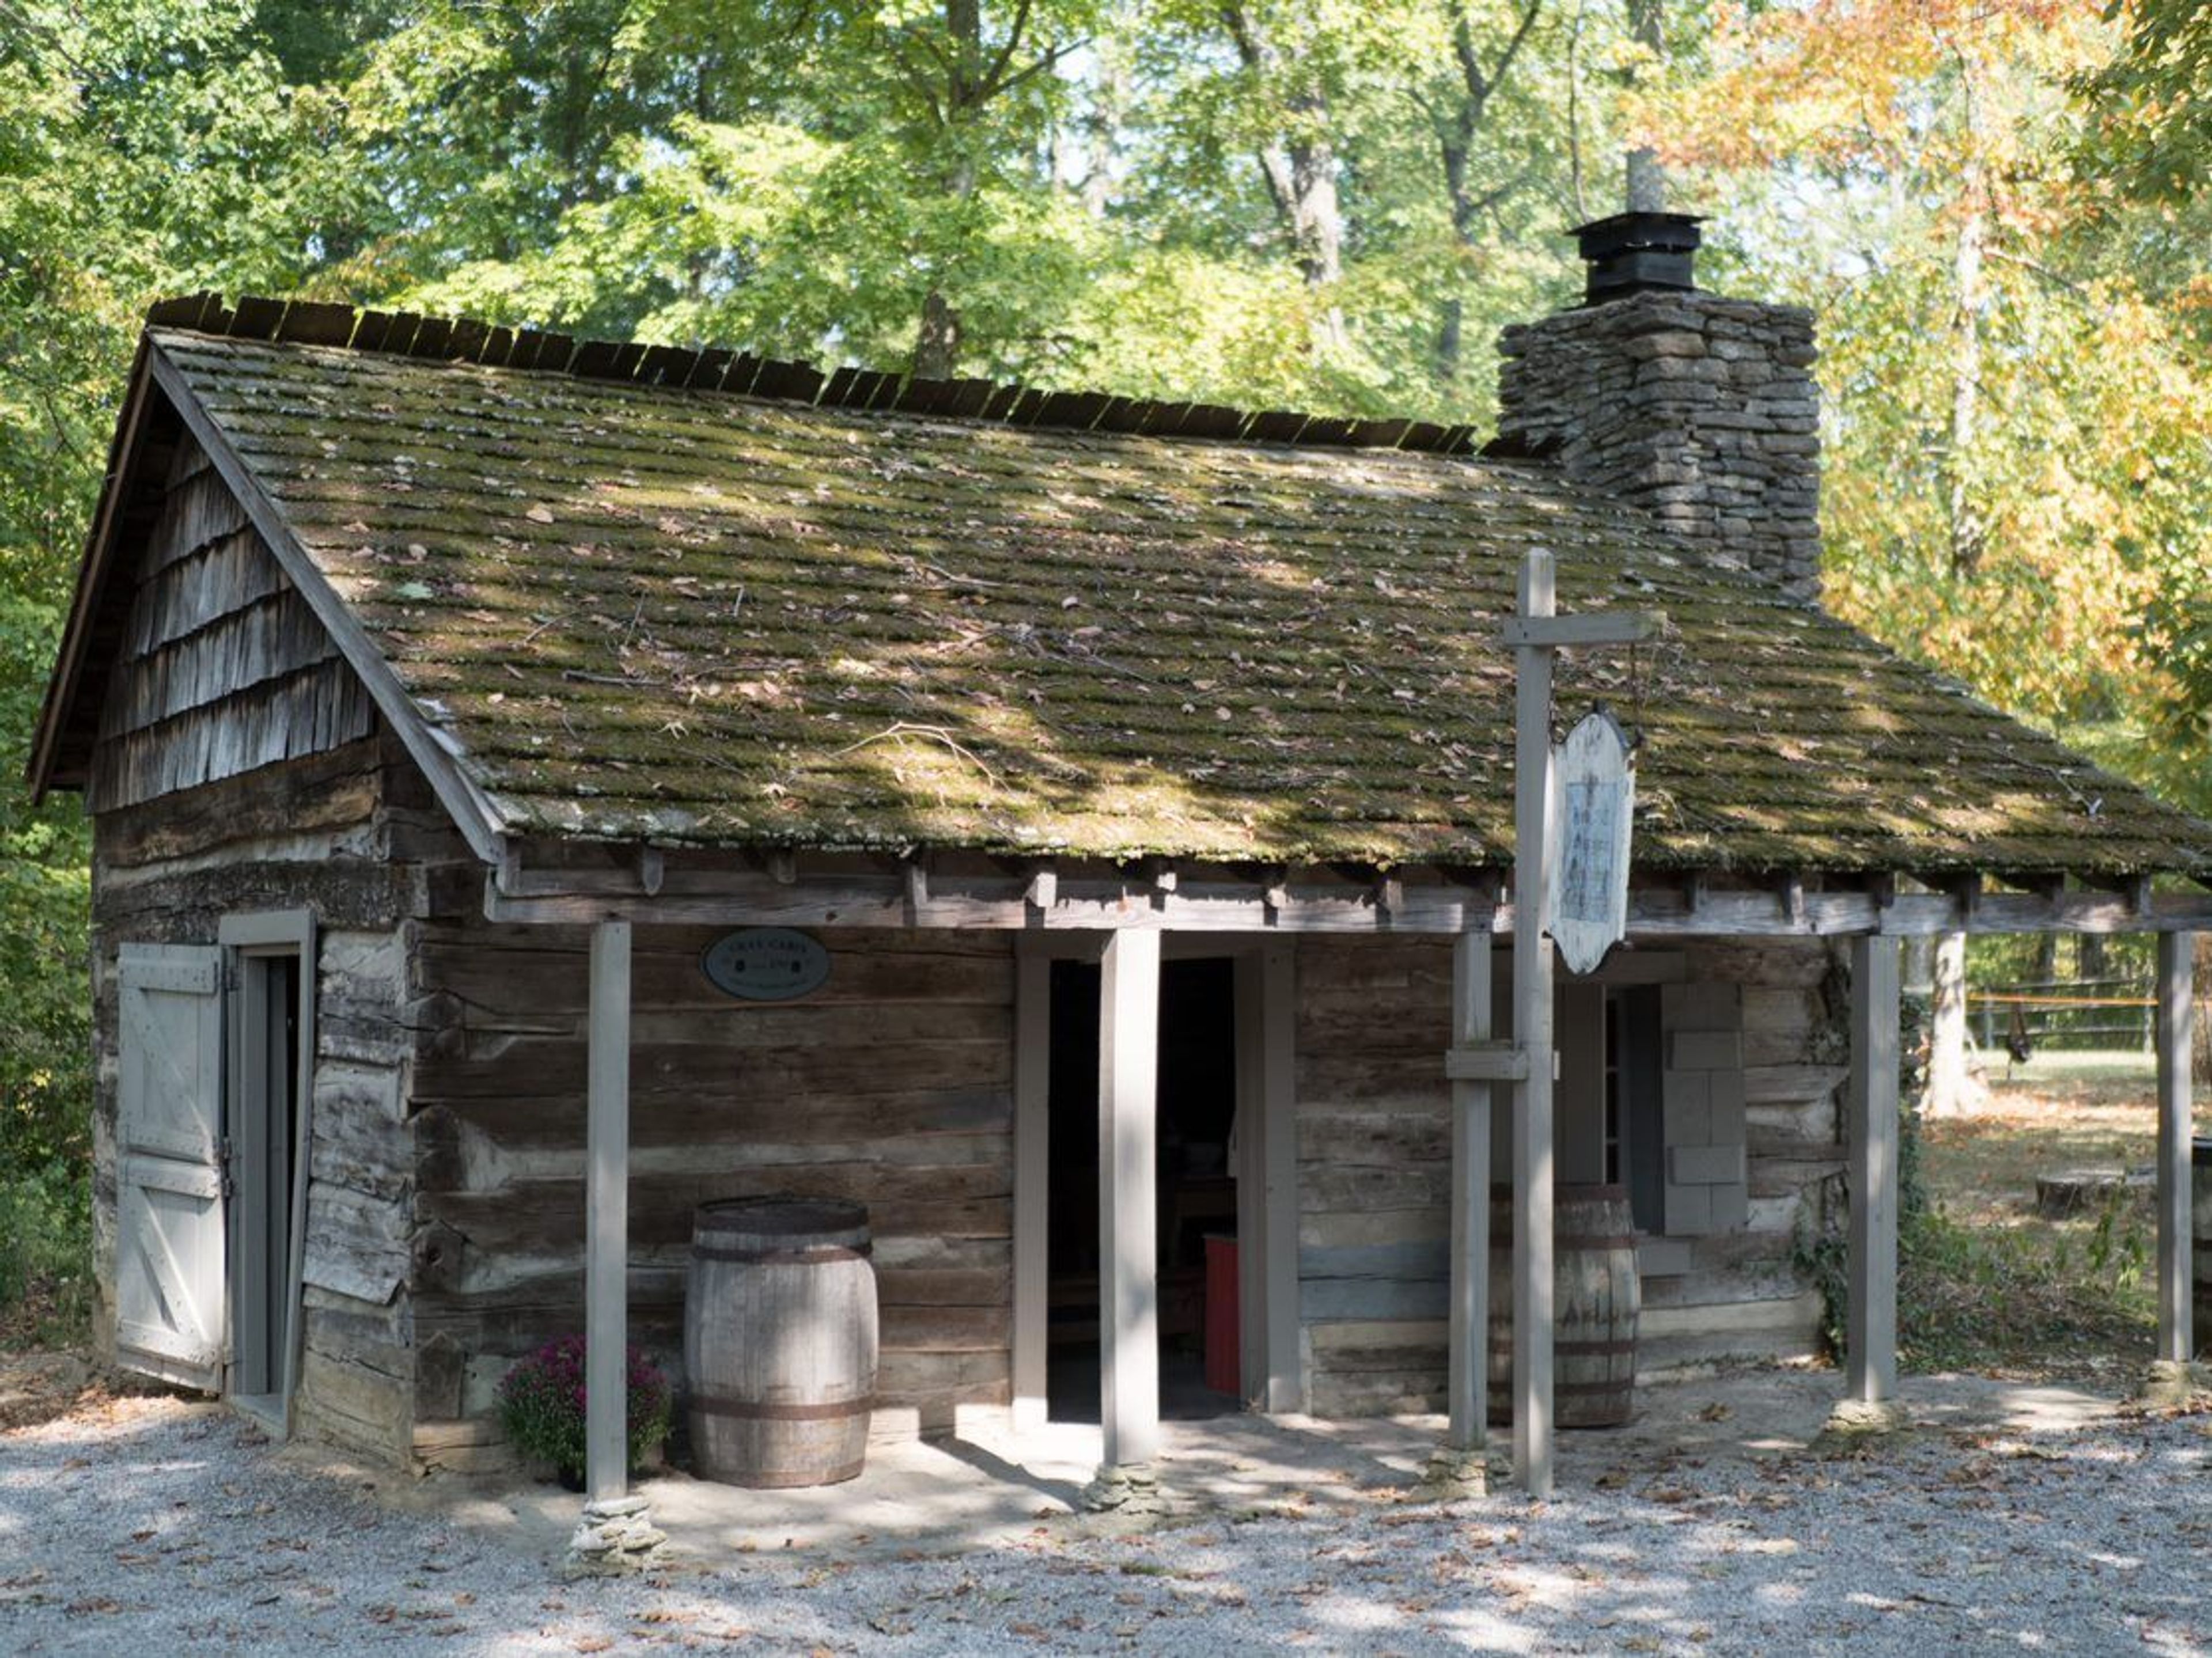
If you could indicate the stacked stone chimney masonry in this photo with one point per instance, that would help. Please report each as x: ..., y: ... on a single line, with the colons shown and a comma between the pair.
x: 1699, y: 410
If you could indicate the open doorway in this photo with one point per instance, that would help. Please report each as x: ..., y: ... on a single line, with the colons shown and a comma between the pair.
x: 267, y: 1070
x: 1197, y: 1191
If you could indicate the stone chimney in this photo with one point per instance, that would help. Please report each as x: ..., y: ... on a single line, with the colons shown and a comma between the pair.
x: 1701, y: 411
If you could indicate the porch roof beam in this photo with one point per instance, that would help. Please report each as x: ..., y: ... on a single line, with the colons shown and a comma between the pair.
x: 1064, y: 899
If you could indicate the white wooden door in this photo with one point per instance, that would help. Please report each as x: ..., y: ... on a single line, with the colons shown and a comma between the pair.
x: 169, y: 1281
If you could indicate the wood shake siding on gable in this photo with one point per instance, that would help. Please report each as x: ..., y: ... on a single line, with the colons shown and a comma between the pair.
x: 222, y: 667
x: 890, y: 1086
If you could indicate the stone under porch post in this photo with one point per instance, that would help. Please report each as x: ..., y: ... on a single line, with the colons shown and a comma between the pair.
x: 614, y: 1532
x: 1128, y: 1208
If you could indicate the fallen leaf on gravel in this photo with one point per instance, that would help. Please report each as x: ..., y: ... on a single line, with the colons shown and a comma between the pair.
x: 98, y: 1604
x: 592, y: 1643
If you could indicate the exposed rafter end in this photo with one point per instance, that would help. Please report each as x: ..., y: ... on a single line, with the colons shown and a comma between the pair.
x: 651, y: 869
x: 1790, y: 887
x: 1964, y: 890
x: 780, y: 864
x: 914, y: 868
x: 1043, y: 890
x: 2042, y: 883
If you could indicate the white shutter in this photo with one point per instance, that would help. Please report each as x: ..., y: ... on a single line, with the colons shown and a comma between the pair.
x: 169, y: 1283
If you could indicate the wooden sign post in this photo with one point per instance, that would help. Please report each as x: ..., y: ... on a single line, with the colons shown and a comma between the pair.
x: 1535, y: 632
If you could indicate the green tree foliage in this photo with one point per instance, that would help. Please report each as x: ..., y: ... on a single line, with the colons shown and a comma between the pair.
x: 1998, y: 211
x: 2018, y: 406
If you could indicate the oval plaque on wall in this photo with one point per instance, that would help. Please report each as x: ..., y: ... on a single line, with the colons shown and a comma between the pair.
x: 766, y: 964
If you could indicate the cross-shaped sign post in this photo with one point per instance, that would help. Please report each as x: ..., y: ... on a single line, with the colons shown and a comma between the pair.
x: 1535, y: 632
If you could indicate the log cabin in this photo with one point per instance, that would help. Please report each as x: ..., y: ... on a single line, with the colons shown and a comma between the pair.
x: 443, y: 696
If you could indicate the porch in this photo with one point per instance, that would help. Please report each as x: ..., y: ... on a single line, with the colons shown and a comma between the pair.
x: 990, y: 1485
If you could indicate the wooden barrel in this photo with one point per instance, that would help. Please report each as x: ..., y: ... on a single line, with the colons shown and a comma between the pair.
x: 780, y: 1341
x: 2200, y: 1232
x: 1595, y: 1298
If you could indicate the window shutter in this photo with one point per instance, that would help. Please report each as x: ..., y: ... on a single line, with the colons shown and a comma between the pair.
x: 1705, y: 1172
x: 169, y: 1286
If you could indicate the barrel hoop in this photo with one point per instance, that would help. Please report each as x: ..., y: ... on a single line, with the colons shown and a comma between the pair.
x: 750, y: 1410
x: 807, y: 1257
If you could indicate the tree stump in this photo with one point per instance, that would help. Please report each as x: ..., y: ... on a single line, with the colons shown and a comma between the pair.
x: 2073, y: 1191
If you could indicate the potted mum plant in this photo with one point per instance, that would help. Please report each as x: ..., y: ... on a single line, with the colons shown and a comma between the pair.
x: 541, y: 1405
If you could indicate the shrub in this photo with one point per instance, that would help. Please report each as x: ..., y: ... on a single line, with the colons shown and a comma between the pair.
x: 46, y: 1257
x: 541, y: 1405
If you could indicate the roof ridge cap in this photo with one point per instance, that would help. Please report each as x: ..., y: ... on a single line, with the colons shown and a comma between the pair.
x: 719, y: 369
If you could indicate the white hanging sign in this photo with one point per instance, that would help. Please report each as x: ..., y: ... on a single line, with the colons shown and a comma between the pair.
x: 1594, y: 785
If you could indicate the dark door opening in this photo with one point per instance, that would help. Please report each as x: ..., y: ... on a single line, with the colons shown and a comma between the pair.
x: 1196, y: 1184
x: 264, y: 1134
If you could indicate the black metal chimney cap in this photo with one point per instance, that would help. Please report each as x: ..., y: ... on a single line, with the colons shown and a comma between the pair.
x: 1638, y: 252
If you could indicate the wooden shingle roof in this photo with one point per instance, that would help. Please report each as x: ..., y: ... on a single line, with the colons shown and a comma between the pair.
x: 635, y: 607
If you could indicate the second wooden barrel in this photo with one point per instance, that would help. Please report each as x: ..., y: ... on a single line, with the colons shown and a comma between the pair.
x: 1596, y: 1299
x: 780, y: 1341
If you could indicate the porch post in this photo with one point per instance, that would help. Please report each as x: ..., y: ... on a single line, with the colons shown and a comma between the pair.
x: 1532, y: 1034
x: 606, y: 1222
x: 1469, y: 1369
x: 2176, y: 1341
x: 1129, y: 1287
x: 1870, y: 1375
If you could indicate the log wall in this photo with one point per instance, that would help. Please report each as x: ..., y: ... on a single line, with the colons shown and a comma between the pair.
x: 891, y: 1085
x: 1375, y: 1161
x: 318, y: 835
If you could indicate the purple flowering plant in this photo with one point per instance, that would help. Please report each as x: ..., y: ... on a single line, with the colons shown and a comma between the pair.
x: 541, y: 1405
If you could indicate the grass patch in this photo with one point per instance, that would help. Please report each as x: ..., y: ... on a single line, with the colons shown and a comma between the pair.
x: 46, y: 1258
x: 1984, y: 1281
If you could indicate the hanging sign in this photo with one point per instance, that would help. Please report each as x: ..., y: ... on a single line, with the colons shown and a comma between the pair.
x: 1594, y: 775
x: 766, y: 964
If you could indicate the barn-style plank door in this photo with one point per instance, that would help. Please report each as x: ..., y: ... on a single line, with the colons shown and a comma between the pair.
x: 169, y: 1264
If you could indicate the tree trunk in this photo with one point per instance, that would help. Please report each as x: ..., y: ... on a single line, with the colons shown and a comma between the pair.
x: 937, y: 348
x: 1300, y: 172
x: 1951, y: 1087
x: 1110, y: 95
x: 1962, y: 512
x: 1647, y: 180
x: 1460, y: 123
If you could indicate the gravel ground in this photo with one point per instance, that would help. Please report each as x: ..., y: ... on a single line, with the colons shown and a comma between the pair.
x: 151, y: 1525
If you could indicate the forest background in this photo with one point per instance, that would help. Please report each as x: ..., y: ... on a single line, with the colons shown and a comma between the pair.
x: 1998, y: 209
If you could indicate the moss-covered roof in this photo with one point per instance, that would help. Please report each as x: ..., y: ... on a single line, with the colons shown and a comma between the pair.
x: 637, y: 611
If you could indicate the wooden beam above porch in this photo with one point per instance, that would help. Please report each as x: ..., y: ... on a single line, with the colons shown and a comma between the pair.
x: 856, y: 890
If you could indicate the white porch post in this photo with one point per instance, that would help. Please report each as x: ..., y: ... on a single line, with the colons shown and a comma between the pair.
x: 2176, y: 1341
x: 606, y: 1222
x: 1532, y: 1035
x: 1870, y: 1375
x: 1469, y: 1360
x: 1128, y: 1288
